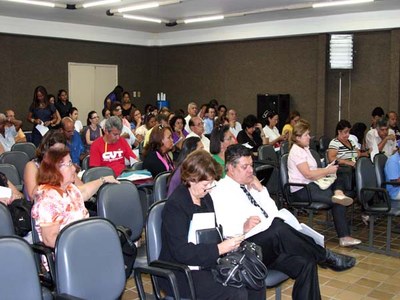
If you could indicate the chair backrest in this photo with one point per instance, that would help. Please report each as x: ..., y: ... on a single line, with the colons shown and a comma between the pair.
x: 267, y: 153
x: 264, y: 173
x: 153, y: 231
x: 88, y: 259
x: 284, y: 147
x: 17, y: 158
x: 96, y: 172
x: 11, y: 173
x: 18, y: 273
x: 160, y: 187
x: 137, y: 166
x: 365, y: 175
x: 323, y: 143
x: 284, y: 169
x: 317, y: 157
x: 6, y: 223
x: 379, y: 165
x: 27, y: 147
x: 86, y: 163
x: 120, y: 203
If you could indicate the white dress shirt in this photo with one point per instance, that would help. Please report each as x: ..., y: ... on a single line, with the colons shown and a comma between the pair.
x: 373, y: 139
x: 203, y: 138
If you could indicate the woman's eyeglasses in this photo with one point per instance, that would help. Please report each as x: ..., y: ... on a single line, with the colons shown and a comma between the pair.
x: 67, y: 164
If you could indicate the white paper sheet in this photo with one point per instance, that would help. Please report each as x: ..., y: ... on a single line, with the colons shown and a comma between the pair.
x: 42, y: 129
x: 5, y: 192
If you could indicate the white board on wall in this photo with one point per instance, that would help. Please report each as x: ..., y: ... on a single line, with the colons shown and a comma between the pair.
x: 89, y: 84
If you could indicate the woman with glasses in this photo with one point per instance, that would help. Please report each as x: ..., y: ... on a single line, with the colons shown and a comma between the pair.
x: 251, y: 135
x: 220, y: 139
x: 93, y: 130
x: 58, y: 201
x: 156, y: 153
x: 199, y: 172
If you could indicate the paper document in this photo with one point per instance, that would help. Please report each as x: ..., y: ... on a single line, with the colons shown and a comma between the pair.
x: 5, y: 192
x: 42, y: 129
x: 291, y: 220
x: 247, y: 145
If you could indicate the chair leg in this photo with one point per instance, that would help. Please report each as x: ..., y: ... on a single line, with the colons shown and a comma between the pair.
x: 371, y: 231
x: 278, y: 293
x: 388, y: 234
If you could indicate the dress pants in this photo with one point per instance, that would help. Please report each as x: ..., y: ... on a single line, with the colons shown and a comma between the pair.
x: 325, y: 196
x: 293, y: 253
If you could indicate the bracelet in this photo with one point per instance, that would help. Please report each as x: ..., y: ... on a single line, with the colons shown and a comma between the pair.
x: 33, y: 120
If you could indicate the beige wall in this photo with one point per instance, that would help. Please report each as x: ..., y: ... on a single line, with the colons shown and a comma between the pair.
x: 232, y: 72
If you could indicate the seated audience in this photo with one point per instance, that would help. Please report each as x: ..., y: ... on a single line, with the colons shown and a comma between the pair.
x: 241, y: 203
x: 209, y: 120
x: 126, y: 106
x: 293, y: 118
x: 106, y: 113
x: 234, y: 125
x: 116, y: 110
x: 74, y: 140
x: 303, y: 168
x: 381, y: 139
x: 271, y: 132
x: 179, y: 133
x: 111, y: 150
x: 392, y: 174
x: 115, y: 95
x: 12, y: 121
x: 197, y: 129
x: 41, y: 112
x: 189, y: 145
x: 192, y: 111
x: 51, y: 139
x: 93, y: 130
x: 376, y: 115
x: 220, y: 139
x: 136, y: 119
x: 252, y: 134
x: 8, y: 134
x: 392, y: 122
x: 221, y: 111
x: 199, y: 172
x: 161, y: 120
x: 149, y: 122
x: 357, y: 135
x: 156, y: 153
x: 74, y: 115
x: 58, y: 201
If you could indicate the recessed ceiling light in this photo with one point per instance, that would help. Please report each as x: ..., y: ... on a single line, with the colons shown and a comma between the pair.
x: 204, y: 19
x: 341, y: 2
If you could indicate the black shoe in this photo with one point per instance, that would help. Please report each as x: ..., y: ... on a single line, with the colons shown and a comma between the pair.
x: 338, y: 262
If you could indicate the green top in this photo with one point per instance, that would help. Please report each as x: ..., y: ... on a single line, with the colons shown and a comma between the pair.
x: 221, y: 162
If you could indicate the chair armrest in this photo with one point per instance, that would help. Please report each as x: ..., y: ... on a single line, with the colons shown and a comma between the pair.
x: 394, y: 183
x: 376, y: 191
x: 177, y: 267
x: 155, y: 272
x: 48, y: 252
x: 287, y: 192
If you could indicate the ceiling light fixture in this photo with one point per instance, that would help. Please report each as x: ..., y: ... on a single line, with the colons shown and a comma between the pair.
x: 96, y: 3
x: 341, y: 2
x: 141, y: 18
x: 40, y: 3
x: 141, y: 6
x: 204, y: 19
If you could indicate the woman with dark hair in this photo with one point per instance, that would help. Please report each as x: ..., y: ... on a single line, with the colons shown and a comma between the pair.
x: 199, y: 172
x: 58, y: 201
x: 189, y: 145
x: 221, y: 111
x: 271, y: 132
x: 341, y: 148
x: 41, y: 112
x: 136, y: 119
x: 149, y: 122
x: 74, y: 115
x: 93, y: 129
x: 179, y: 133
x: 63, y: 105
x: 303, y: 168
x: 106, y: 113
x: 126, y: 106
x: 220, y: 139
x: 251, y: 133
x: 157, y: 152
x: 357, y: 135
x: 115, y: 95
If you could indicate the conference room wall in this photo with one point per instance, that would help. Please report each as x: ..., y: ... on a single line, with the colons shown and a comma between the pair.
x: 232, y: 72
x: 28, y: 61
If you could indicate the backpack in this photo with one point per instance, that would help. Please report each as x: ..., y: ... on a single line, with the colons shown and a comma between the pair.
x: 20, y: 210
x: 129, y: 250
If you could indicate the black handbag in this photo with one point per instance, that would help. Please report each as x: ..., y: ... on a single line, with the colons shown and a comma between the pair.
x: 242, y: 267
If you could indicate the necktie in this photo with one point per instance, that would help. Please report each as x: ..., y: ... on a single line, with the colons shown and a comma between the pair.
x: 252, y: 200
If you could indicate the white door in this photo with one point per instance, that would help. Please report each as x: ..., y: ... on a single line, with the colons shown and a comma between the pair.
x: 88, y: 85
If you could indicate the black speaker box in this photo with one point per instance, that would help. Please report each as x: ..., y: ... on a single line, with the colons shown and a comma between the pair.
x: 279, y: 103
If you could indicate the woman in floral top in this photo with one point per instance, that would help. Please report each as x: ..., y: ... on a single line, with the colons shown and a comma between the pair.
x: 58, y: 201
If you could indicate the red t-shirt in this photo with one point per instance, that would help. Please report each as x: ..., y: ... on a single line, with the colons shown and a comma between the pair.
x: 103, y: 154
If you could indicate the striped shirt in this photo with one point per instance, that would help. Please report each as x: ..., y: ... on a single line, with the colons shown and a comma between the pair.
x: 343, y: 151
